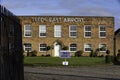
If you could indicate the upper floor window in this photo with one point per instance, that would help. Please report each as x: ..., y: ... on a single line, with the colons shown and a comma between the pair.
x: 102, y: 47
x: 73, y: 31
x: 27, y: 30
x: 87, y: 47
x: 42, y: 30
x: 102, y: 31
x: 42, y: 47
x: 57, y: 30
x: 27, y: 47
x: 87, y: 31
x: 73, y: 47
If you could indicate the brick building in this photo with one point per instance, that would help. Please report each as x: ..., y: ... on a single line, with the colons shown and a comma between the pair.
x: 117, y: 40
x: 78, y: 33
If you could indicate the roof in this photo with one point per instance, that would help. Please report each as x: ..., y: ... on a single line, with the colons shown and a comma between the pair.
x: 117, y: 31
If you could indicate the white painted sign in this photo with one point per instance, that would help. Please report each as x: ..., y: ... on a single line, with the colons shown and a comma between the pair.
x: 57, y: 19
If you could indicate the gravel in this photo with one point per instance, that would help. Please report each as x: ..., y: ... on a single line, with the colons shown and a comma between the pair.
x: 106, y: 72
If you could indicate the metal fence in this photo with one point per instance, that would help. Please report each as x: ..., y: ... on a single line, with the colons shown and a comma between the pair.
x: 11, y: 58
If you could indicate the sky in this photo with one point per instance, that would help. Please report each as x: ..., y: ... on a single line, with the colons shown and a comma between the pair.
x: 65, y: 8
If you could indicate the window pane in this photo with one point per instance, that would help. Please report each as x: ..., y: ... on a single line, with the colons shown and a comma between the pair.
x: 102, y: 28
x: 57, y: 30
x: 28, y: 27
x: 87, y: 34
x: 73, y: 34
x: 28, y: 33
x: 72, y: 45
x: 87, y: 28
x: 88, y: 47
x: 102, y: 47
x: 102, y: 34
x: 73, y: 28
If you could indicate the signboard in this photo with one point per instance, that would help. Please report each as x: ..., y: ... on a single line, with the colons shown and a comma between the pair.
x: 64, y: 54
x: 65, y: 63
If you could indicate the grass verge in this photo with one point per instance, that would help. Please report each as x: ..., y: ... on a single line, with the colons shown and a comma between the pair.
x: 56, y: 61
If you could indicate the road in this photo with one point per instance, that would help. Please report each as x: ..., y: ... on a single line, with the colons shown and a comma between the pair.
x: 109, y: 72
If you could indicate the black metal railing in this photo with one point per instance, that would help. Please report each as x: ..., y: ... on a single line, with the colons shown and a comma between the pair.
x: 11, y: 58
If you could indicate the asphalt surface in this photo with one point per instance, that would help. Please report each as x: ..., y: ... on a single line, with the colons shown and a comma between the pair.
x: 109, y: 72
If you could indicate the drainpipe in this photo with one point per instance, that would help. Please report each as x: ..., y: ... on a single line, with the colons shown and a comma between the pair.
x: 115, y: 59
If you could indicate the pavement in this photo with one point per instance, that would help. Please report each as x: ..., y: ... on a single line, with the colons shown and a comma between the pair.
x: 105, y: 72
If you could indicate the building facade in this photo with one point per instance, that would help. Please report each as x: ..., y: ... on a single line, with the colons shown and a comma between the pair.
x: 77, y: 33
x: 117, y: 40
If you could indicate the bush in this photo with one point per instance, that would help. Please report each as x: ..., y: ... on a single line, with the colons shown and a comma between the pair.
x: 78, y: 53
x: 107, y: 59
x: 34, y: 53
x: 118, y: 55
x: 91, y: 53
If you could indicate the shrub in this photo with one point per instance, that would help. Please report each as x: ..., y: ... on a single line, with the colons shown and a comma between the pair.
x: 65, y: 48
x: 108, y: 52
x: 34, y: 53
x: 78, y: 53
x: 118, y: 55
x: 108, y: 57
x: 91, y: 53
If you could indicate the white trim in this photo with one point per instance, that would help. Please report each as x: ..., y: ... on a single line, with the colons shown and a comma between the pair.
x: 72, y: 31
x: 27, y: 30
x: 42, y: 30
x: 72, y: 47
x: 102, y: 31
x: 87, y: 31
x: 58, y: 31
x: 87, y: 47
x: 27, y: 47
x: 40, y: 47
x: 99, y: 47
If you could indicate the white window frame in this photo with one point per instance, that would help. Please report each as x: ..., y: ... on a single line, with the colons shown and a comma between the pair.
x: 87, y: 31
x: 86, y: 46
x: 42, y: 31
x: 75, y: 31
x: 27, y: 30
x: 27, y: 47
x: 72, y: 47
x: 102, y: 31
x: 42, y: 47
x: 57, y: 32
x: 100, y: 47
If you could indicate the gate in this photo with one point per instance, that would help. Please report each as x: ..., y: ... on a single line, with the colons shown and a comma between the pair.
x: 11, y: 58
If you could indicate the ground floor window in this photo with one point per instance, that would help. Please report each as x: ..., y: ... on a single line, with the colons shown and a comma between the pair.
x: 27, y: 47
x: 87, y: 47
x: 102, y: 47
x: 73, y: 47
x: 43, y: 47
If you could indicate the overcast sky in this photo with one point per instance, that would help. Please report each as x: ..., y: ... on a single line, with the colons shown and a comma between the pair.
x: 66, y: 7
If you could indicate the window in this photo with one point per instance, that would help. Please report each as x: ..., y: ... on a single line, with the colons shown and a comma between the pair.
x: 87, y: 31
x: 87, y: 47
x: 57, y: 31
x: 73, y: 47
x: 73, y: 31
x: 43, y: 47
x: 27, y: 47
x: 42, y: 30
x: 102, y: 31
x: 102, y: 47
x: 27, y: 30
